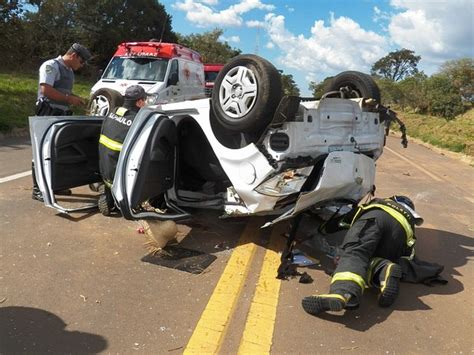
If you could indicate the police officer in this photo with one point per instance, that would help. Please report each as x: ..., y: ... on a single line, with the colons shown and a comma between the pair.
x: 56, y: 78
x: 114, y: 131
x: 381, y: 233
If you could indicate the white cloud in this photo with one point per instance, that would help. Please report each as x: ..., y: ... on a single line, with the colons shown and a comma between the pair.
x: 290, y: 9
x: 234, y: 39
x: 255, y: 24
x: 204, y: 16
x: 436, y: 30
x: 270, y: 45
x: 340, y: 45
x: 380, y: 15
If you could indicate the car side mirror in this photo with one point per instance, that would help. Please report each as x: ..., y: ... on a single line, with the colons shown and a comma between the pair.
x: 173, y: 79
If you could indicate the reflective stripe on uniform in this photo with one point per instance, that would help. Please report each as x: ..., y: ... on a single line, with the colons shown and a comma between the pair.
x: 349, y: 276
x: 372, y: 266
x: 121, y: 111
x: 110, y: 143
x: 395, y: 214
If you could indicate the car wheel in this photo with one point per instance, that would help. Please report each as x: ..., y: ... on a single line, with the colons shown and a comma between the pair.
x: 357, y: 83
x: 246, y: 93
x: 104, y: 101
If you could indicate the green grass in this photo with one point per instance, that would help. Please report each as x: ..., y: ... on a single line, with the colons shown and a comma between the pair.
x: 18, y: 97
x: 456, y: 135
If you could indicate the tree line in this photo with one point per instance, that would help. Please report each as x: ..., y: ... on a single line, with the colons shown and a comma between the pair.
x: 447, y: 93
x: 32, y: 31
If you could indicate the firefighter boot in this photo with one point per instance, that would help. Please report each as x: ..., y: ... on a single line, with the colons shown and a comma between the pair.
x: 322, y: 303
x: 389, y: 278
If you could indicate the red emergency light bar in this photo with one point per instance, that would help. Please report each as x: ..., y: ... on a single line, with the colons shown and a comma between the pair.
x: 156, y: 49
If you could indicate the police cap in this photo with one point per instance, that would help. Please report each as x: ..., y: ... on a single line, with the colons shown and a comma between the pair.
x: 82, y: 51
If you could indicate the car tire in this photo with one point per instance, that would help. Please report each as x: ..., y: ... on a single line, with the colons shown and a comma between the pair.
x: 360, y: 84
x: 104, y: 101
x: 246, y: 94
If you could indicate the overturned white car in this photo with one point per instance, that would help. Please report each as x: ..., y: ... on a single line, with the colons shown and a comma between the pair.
x: 247, y: 150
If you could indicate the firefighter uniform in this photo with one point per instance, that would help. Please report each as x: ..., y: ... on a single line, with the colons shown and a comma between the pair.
x: 381, y: 233
x: 114, y: 130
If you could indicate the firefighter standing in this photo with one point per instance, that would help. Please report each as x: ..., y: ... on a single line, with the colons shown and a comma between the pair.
x: 381, y: 233
x: 114, y: 130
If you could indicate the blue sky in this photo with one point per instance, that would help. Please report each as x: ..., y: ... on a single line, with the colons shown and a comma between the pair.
x: 312, y: 39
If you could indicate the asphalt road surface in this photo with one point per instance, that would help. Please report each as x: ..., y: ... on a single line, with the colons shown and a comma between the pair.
x: 76, y: 284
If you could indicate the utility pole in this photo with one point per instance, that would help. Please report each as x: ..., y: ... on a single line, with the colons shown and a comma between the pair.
x: 257, y: 41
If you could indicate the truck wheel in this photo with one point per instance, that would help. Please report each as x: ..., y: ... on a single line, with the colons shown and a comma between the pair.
x: 104, y: 101
x: 246, y: 93
x: 359, y: 84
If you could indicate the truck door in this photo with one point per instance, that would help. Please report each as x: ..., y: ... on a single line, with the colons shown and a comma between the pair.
x: 146, y: 168
x: 65, y: 153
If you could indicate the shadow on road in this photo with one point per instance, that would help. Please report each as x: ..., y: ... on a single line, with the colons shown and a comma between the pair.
x: 28, y: 330
x: 443, y: 247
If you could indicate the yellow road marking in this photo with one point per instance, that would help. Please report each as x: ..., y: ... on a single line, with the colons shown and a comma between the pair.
x: 210, y: 331
x: 258, y: 332
x: 431, y: 175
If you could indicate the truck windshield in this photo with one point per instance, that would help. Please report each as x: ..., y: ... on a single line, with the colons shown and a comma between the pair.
x: 149, y: 69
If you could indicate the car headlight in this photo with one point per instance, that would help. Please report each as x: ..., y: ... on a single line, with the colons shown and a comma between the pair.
x: 286, y: 183
x: 152, y: 99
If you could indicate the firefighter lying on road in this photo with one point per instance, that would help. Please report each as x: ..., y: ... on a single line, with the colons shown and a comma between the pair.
x: 382, y: 232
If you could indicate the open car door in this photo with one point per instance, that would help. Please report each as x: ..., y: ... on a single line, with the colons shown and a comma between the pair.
x: 146, y: 169
x: 65, y: 154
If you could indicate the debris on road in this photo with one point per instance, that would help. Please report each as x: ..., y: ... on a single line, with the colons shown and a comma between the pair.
x: 159, y: 233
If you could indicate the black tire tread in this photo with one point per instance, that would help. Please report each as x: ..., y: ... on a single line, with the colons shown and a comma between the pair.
x: 361, y: 82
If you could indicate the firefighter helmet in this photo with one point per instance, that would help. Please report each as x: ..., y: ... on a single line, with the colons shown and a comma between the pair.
x: 404, y: 200
x: 410, y: 206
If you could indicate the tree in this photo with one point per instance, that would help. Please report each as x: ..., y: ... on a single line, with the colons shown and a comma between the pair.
x: 51, y: 26
x: 413, y: 92
x: 289, y: 86
x: 396, y: 65
x: 444, y: 99
x: 319, y: 89
x: 390, y: 92
x: 208, y: 45
x: 109, y: 22
x: 11, y: 32
x: 461, y: 74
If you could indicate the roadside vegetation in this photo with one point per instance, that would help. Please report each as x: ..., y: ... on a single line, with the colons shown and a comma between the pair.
x: 456, y: 135
x: 18, y: 96
x: 437, y: 109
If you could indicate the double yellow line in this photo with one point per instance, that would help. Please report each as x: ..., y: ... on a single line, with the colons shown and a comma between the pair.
x: 258, y: 332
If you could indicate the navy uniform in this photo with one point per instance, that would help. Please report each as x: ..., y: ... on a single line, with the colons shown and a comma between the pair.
x: 381, y: 233
x: 56, y: 79
x: 114, y: 130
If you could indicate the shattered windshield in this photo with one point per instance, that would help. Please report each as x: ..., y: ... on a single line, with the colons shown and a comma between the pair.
x: 149, y: 69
